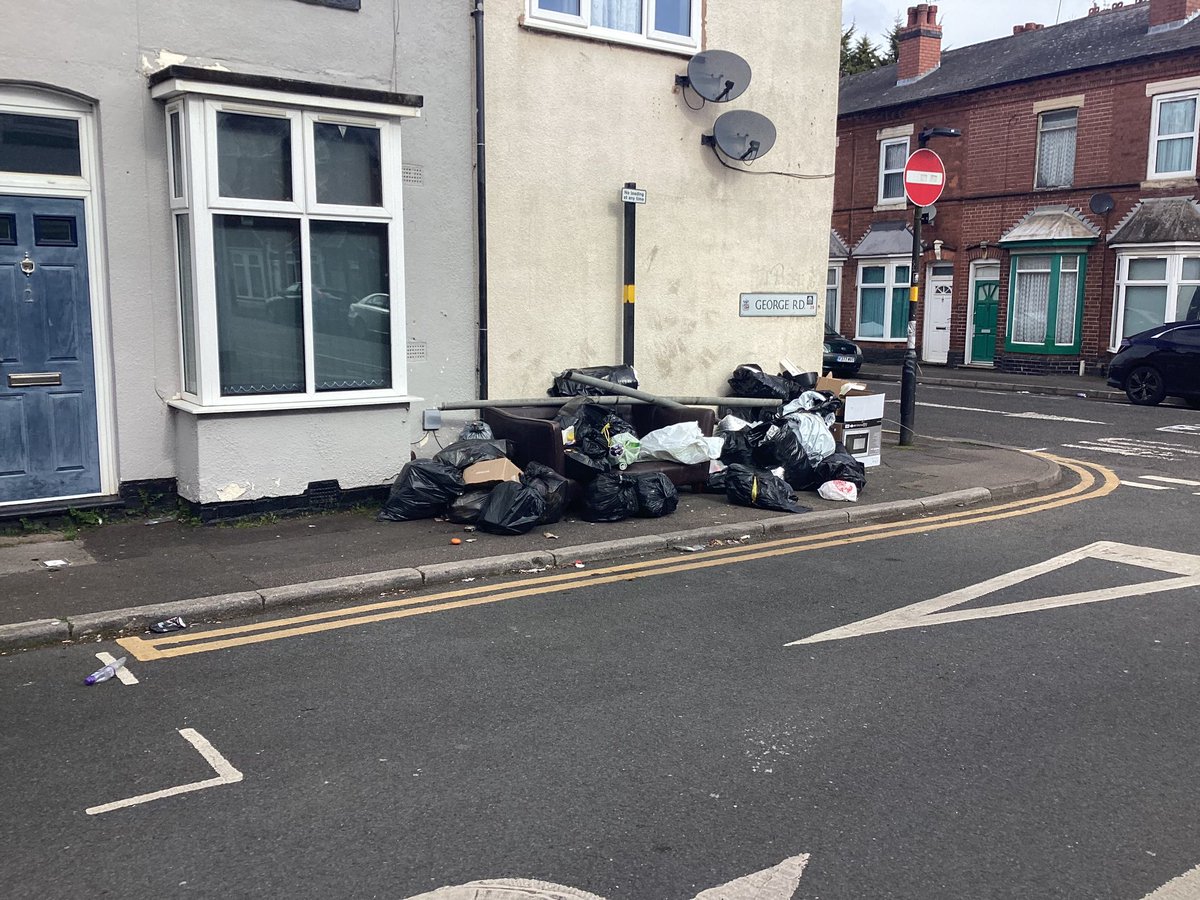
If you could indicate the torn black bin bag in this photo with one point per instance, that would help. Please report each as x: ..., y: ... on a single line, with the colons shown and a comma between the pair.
x: 772, y: 445
x: 422, y: 490
x: 461, y: 454
x: 749, y: 380
x: 563, y: 387
x: 555, y: 489
x: 465, y: 510
x: 758, y: 488
x: 512, y: 508
x: 802, y: 475
x: 841, y: 466
x: 610, y: 497
x: 657, y: 495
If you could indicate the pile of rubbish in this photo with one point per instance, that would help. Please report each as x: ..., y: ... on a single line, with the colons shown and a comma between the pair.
x: 780, y: 449
x: 760, y: 456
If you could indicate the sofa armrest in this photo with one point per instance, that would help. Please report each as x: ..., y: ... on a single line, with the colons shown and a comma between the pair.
x: 534, y: 439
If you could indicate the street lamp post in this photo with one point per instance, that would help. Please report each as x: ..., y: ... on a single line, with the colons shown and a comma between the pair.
x: 908, y: 378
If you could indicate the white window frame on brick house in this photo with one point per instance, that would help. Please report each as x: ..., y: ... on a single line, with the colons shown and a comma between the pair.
x: 1053, y: 123
x: 884, y: 171
x: 895, y: 305
x: 578, y: 19
x: 1179, y: 284
x: 199, y: 210
x: 833, y: 295
x: 1158, y: 136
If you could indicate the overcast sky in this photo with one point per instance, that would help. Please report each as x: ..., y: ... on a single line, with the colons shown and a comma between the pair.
x: 964, y: 22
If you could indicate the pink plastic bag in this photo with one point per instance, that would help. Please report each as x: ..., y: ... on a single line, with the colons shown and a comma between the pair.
x: 839, y: 490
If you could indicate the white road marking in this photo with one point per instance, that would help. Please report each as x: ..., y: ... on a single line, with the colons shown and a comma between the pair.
x: 226, y: 774
x: 1045, y: 417
x: 1185, y: 887
x: 1146, y: 487
x: 927, y: 613
x: 1129, y: 447
x: 1165, y: 480
x: 1181, y: 429
x: 123, y: 673
x: 776, y: 883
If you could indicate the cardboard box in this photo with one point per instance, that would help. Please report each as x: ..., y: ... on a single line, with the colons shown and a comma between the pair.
x: 860, y: 422
x: 490, y: 471
x: 863, y: 442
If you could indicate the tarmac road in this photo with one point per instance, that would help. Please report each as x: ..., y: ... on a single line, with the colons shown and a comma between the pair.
x: 655, y: 735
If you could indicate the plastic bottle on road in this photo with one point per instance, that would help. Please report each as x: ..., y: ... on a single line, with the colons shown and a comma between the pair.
x: 106, y: 673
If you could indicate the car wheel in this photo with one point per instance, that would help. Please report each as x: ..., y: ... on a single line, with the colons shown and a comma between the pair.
x: 1145, y: 386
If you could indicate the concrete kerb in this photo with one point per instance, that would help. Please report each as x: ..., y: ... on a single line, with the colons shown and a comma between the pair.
x: 135, y: 619
x: 1109, y: 396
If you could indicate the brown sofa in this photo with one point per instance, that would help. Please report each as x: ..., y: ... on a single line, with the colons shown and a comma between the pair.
x: 538, y: 437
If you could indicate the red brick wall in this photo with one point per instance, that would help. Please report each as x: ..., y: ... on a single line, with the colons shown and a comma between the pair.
x: 1163, y: 12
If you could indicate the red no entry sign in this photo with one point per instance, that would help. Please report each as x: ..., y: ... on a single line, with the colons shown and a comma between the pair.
x: 924, y: 178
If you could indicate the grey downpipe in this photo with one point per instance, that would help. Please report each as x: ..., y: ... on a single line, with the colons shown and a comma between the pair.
x: 481, y: 202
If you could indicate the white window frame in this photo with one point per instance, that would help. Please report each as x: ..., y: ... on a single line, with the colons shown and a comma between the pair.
x: 902, y: 200
x: 1173, y: 281
x: 833, y: 282
x: 1156, y: 136
x: 1037, y: 160
x: 198, y: 131
x: 563, y: 23
x: 890, y: 286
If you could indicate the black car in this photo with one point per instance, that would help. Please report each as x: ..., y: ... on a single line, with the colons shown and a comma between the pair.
x: 1161, y: 362
x: 842, y: 356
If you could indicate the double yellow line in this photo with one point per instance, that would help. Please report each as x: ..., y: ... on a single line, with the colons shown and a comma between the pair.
x: 1094, y: 482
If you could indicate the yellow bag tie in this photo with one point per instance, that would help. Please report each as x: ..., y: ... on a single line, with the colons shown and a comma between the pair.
x: 754, y: 490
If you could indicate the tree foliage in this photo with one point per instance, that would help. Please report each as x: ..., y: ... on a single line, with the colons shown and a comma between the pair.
x: 860, y: 54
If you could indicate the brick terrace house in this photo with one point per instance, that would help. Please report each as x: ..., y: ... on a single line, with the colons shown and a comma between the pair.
x: 1069, y: 218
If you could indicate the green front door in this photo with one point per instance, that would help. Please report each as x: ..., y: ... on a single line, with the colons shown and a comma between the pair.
x: 983, y: 338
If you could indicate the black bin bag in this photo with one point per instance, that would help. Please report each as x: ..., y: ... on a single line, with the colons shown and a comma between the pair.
x: 841, y: 466
x: 555, y: 489
x: 461, y: 454
x: 758, y: 488
x: 657, y: 495
x: 610, y: 497
x: 622, y: 375
x: 465, y: 510
x: 511, y: 508
x: 422, y: 490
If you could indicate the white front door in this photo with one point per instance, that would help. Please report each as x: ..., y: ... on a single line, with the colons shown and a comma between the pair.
x: 935, y: 344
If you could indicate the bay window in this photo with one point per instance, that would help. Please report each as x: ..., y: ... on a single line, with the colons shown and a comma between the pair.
x: 883, y: 301
x: 671, y: 24
x: 1153, y: 289
x: 287, y: 229
x: 1045, y: 302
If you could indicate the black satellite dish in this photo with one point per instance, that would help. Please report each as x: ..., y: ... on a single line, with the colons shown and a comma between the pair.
x: 1101, y: 204
x: 717, y: 75
x: 743, y: 135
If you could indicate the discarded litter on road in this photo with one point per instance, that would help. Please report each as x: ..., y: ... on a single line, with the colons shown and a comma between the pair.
x: 168, y: 625
x: 105, y: 673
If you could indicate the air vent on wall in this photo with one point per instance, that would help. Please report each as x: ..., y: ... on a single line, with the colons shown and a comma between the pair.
x: 412, y: 174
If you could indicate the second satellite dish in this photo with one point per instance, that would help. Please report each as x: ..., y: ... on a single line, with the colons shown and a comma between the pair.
x: 744, y: 135
x: 718, y: 75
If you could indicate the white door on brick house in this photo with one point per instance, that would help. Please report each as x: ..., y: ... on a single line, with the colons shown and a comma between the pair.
x: 939, y: 294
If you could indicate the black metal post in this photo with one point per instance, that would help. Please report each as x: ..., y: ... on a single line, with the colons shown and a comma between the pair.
x: 630, y: 290
x: 481, y: 202
x: 908, y: 378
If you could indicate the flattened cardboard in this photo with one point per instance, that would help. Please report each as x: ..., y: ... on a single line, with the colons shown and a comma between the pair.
x: 491, y: 471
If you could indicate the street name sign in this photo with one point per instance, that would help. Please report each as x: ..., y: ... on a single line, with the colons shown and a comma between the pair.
x: 924, y: 177
x: 777, y: 305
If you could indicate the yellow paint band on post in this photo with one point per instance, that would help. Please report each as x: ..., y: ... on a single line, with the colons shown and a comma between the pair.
x: 629, y: 293
x: 914, y: 294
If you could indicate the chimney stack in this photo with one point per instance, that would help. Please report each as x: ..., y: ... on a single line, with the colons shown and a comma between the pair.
x: 1167, y: 14
x: 1028, y: 26
x: 920, y: 44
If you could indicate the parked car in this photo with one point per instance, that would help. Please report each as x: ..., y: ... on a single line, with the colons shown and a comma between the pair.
x: 370, y: 314
x: 1161, y: 362
x: 842, y: 356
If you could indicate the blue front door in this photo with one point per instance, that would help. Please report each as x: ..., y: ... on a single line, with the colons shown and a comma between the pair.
x: 48, y: 440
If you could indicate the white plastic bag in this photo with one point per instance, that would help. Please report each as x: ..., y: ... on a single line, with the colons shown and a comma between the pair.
x: 731, y: 423
x: 683, y: 442
x: 839, y: 490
